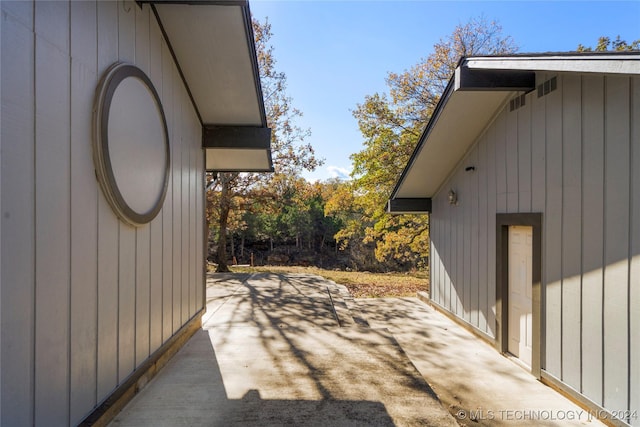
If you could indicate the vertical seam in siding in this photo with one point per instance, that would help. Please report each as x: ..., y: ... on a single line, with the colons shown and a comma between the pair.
x: 204, y: 230
x: 150, y: 351
x: 118, y: 327
x: 97, y: 201
x: 69, y: 279
x: 476, y: 229
x: 163, y: 98
x: 173, y: 207
x: 34, y: 316
x: 582, y: 209
x: 543, y: 362
x: 562, y: 220
x: 489, y: 298
x: 630, y: 249
x: 149, y: 316
x: 118, y: 309
x: 449, y: 231
x: 162, y: 313
x: 517, y: 165
x: 135, y: 298
x: 137, y: 229
x: 530, y: 108
x: 604, y: 234
x: 189, y: 254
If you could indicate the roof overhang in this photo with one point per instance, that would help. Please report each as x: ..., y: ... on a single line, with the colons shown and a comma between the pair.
x: 479, y: 89
x: 233, y: 147
x: 213, y: 46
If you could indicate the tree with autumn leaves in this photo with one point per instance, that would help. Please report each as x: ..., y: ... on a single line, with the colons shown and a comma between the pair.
x: 231, y: 194
x: 605, y: 44
x: 391, y: 125
x: 283, y: 207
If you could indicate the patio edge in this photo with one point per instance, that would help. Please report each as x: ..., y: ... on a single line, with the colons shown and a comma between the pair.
x: 107, y: 410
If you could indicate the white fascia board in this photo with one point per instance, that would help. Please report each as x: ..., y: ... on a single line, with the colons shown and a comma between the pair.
x: 607, y: 64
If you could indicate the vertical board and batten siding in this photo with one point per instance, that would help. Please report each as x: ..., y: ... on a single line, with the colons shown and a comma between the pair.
x: 18, y: 214
x: 616, y: 241
x: 108, y: 265
x: 53, y: 213
x: 143, y: 234
x: 85, y: 298
x: 592, y: 219
x: 634, y: 270
x: 0, y: 227
x: 127, y: 234
x: 574, y: 156
x: 483, y: 265
x: 552, y: 229
x: 84, y: 212
x: 571, y: 228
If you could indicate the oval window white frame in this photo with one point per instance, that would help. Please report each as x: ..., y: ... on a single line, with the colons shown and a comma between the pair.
x: 112, y: 78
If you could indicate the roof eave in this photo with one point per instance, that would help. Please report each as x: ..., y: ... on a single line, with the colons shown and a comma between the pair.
x: 213, y: 48
x: 490, y: 75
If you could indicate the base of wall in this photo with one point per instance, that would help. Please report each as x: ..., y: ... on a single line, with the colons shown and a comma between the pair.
x: 592, y: 408
x: 547, y: 379
x: 104, y: 413
x: 424, y: 297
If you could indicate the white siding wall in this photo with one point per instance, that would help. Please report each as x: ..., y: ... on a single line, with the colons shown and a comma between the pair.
x: 573, y: 155
x: 85, y: 298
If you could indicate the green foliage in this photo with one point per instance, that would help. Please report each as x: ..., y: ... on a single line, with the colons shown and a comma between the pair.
x: 297, y: 219
x: 605, y: 44
x: 231, y: 195
x: 391, y: 125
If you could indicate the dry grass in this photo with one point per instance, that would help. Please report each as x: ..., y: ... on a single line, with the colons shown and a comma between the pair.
x: 360, y: 284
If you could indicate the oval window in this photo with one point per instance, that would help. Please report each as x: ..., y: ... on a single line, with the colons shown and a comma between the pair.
x: 131, y: 144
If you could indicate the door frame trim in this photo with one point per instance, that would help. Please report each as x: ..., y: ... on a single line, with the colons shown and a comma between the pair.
x: 503, y: 222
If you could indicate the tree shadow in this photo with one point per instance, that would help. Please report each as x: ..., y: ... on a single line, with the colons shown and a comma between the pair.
x: 470, y: 376
x: 190, y: 391
x: 286, y: 350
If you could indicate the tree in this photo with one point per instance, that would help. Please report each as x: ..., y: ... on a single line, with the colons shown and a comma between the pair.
x: 231, y: 194
x: 391, y: 125
x: 606, y: 44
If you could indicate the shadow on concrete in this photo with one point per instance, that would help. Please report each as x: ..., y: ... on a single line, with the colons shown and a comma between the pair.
x: 191, y: 392
x: 285, y: 350
x: 477, y: 384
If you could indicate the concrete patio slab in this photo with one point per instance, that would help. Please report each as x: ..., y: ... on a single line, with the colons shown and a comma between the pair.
x: 283, y: 350
x: 478, y: 385
x: 298, y: 350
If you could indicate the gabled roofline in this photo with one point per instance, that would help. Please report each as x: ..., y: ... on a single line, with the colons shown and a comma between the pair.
x: 425, y: 133
x: 512, y: 73
x: 254, y: 59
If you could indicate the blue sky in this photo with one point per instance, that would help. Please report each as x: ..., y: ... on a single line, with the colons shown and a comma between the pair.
x: 336, y: 52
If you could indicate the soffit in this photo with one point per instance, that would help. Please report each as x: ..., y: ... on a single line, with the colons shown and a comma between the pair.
x: 459, y: 124
x: 215, y: 53
x: 463, y: 113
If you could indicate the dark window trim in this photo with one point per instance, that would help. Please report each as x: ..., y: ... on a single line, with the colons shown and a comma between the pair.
x: 503, y: 221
